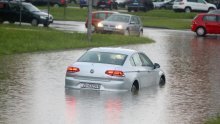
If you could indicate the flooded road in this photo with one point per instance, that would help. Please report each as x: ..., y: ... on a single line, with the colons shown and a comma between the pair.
x: 32, y: 86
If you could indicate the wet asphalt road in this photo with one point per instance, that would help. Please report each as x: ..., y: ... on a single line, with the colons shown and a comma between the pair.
x: 32, y: 86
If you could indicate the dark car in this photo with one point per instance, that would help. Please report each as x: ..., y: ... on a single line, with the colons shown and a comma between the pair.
x: 10, y: 11
x: 109, y: 4
x: 55, y: 3
x: 139, y: 5
x: 83, y: 3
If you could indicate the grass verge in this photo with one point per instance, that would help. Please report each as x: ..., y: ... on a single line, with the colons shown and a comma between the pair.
x: 214, y: 120
x: 21, y: 39
x: 155, y: 18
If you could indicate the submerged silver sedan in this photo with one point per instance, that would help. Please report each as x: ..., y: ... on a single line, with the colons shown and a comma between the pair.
x: 113, y: 69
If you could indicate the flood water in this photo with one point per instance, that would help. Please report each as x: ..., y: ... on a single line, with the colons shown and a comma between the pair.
x: 32, y: 86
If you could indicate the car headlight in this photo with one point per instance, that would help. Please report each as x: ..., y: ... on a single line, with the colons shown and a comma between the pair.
x: 43, y: 17
x: 119, y: 27
x: 100, y: 25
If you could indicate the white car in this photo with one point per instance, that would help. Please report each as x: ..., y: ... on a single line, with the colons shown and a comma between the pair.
x: 192, y: 5
x: 113, y: 69
x: 159, y: 3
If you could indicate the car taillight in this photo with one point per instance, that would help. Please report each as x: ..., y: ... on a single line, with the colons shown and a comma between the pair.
x: 72, y: 69
x: 115, y: 73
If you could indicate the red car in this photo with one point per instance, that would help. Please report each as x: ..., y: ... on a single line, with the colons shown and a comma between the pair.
x: 205, y: 23
x: 98, y: 16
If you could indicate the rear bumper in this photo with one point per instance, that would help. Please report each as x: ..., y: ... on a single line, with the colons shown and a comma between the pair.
x: 108, y: 85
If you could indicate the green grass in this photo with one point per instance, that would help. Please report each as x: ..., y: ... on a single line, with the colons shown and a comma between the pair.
x: 155, y: 18
x: 214, y: 120
x: 21, y: 39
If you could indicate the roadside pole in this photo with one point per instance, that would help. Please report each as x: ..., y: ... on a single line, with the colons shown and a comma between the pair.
x: 48, y: 11
x: 20, y: 12
x: 89, y: 29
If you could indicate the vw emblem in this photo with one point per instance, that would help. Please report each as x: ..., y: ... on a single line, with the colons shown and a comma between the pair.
x: 91, y: 71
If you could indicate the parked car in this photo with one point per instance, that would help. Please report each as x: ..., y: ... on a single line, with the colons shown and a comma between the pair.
x: 109, y: 4
x: 113, y: 69
x: 55, y: 3
x: 139, y: 5
x: 10, y: 11
x: 122, y: 24
x: 167, y: 5
x: 84, y: 3
x: 206, y: 24
x: 98, y: 16
x: 159, y: 3
x: 193, y: 5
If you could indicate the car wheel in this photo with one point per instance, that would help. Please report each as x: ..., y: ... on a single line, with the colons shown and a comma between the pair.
x: 200, y: 31
x: 129, y: 10
x: 34, y: 22
x: 135, y: 87
x: 1, y: 21
x: 210, y: 9
x: 127, y: 32
x: 187, y: 10
x: 162, y: 82
x: 46, y: 24
x: 141, y: 33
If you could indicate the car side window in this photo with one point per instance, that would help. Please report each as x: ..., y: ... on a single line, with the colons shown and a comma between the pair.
x: 210, y: 18
x: 14, y: 7
x: 145, y: 60
x: 201, y: 1
x: 100, y: 16
x: 137, y: 60
x: 136, y: 20
x: 192, y: 1
x: 133, y: 19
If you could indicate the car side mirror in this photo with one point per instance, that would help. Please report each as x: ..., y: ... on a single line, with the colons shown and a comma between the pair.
x: 156, y: 65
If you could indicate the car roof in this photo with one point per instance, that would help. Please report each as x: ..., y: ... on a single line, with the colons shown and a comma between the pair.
x: 105, y: 12
x: 123, y: 14
x: 114, y: 50
x: 14, y: 2
x: 203, y: 14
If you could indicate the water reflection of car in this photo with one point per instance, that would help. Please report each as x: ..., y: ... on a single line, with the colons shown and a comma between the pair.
x: 113, y: 69
x: 98, y: 16
x: 139, y: 5
x: 206, y: 24
x: 122, y: 24
x: 10, y: 11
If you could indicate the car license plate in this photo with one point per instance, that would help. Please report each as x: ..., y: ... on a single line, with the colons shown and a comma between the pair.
x: 108, y: 29
x: 90, y: 85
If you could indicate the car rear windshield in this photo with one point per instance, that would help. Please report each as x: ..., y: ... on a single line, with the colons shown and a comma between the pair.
x: 118, y: 18
x: 103, y: 57
x: 31, y: 8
